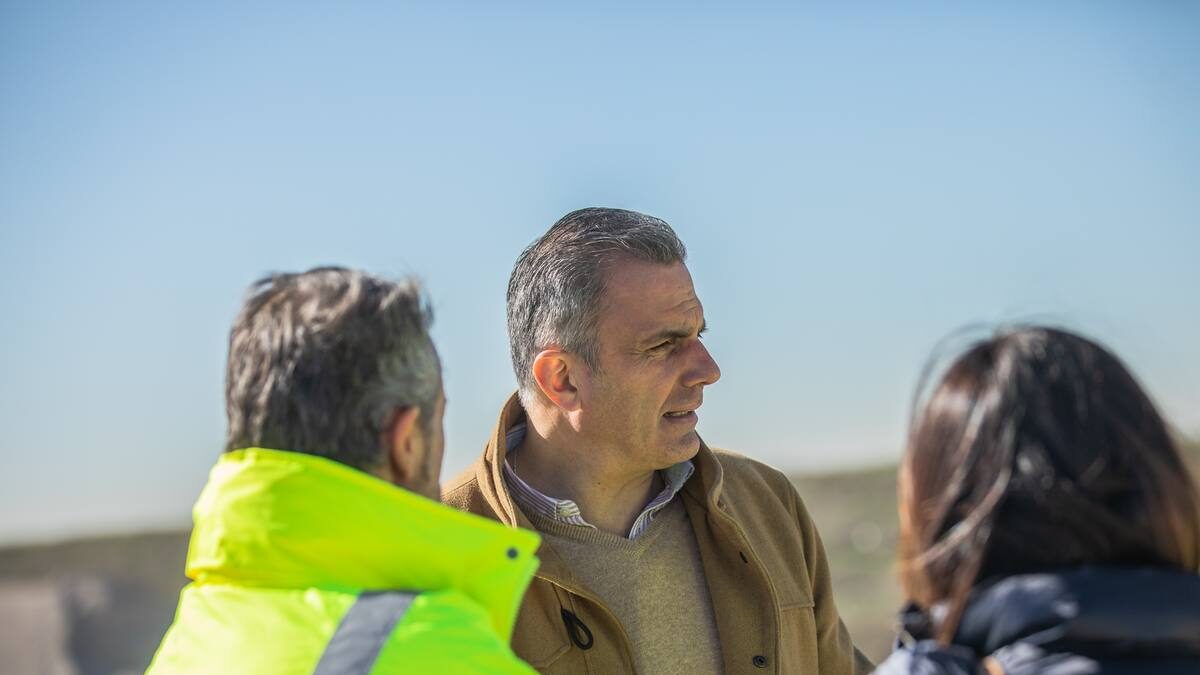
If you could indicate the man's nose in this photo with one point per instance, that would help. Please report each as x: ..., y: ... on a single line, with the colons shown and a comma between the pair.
x: 704, y: 370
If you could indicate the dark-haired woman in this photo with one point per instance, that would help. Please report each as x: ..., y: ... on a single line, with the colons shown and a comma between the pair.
x: 1048, y: 521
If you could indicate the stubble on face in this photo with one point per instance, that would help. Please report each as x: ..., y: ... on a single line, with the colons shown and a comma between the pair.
x: 653, y: 367
x: 434, y: 441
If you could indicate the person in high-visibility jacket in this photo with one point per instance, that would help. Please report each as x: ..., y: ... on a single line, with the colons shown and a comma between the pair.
x: 318, y: 544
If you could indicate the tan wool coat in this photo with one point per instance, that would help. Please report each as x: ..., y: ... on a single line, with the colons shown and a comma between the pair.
x: 763, y: 562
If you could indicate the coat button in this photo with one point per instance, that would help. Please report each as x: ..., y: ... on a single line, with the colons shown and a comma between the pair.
x: 759, y: 661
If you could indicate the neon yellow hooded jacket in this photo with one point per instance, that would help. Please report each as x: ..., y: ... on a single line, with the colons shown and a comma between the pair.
x: 300, y: 564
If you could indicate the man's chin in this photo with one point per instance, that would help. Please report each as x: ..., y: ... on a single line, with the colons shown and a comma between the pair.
x: 684, y: 449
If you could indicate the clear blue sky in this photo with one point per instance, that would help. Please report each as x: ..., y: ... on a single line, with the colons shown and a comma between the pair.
x: 853, y: 183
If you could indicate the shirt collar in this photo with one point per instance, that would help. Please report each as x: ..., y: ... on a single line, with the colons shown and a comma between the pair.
x: 567, y: 511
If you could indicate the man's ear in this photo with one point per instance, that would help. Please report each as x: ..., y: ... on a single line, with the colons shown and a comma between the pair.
x: 406, y: 448
x: 557, y: 376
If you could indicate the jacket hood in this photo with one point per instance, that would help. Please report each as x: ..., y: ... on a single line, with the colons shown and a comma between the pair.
x: 1112, y: 610
x: 272, y: 518
x: 1087, y: 620
x: 1118, y: 612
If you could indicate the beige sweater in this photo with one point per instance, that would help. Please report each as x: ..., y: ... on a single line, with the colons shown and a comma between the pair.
x: 654, y: 584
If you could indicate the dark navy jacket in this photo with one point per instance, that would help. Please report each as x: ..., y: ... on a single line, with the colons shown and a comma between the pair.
x: 1093, y: 621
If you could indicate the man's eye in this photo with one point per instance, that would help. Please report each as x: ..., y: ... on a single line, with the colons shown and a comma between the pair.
x: 661, y: 346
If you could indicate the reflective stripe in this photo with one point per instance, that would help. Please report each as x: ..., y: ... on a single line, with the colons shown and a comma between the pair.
x: 360, y: 636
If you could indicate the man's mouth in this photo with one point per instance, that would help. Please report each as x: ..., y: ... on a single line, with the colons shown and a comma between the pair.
x: 687, y: 415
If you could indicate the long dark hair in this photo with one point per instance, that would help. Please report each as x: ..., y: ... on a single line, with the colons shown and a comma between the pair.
x: 1037, y: 450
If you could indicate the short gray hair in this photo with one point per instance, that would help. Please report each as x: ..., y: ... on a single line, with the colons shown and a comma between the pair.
x: 555, y: 291
x: 320, y: 361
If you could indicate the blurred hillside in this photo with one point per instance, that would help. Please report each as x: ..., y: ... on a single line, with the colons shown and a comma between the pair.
x: 88, y: 607
x: 99, y: 606
x: 856, y: 515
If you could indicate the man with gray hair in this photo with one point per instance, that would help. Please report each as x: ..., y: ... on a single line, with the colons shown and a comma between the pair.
x: 660, y: 554
x: 318, y: 545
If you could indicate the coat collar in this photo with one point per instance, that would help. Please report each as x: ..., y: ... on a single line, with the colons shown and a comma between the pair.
x: 704, y: 486
x: 1112, y: 609
x: 290, y: 520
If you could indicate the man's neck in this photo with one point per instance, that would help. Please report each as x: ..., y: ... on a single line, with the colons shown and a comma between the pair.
x: 608, y: 497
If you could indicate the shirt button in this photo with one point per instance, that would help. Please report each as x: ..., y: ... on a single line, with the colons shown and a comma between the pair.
x: 759, y: 661
x: 511, y: 553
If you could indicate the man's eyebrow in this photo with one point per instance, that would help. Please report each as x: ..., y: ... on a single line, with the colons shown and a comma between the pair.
x: 674, y: 333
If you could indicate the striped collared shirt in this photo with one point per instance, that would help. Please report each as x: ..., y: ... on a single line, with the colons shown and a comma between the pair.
x: 566, y: 511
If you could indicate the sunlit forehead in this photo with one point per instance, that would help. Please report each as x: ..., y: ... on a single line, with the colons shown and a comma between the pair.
x: 692, y: 326
x: 651, y: 302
